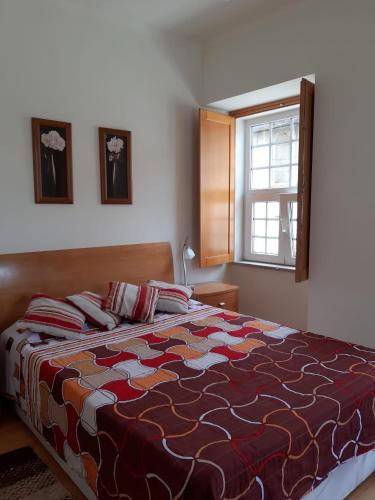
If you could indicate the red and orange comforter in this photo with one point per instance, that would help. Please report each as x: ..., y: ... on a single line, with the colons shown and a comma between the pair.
x: 208, y: 405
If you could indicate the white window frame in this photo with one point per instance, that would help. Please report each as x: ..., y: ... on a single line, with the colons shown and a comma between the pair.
x: 281, y: 195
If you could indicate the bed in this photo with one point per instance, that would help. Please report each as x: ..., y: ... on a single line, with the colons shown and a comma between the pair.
x: 212, y: 404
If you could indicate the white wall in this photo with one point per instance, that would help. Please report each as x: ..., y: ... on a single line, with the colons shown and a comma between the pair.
x: 61, y: 61
x: 335, y: 40
x: 270, y: 294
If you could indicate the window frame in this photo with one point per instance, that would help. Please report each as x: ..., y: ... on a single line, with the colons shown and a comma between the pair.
x: 281, y: 195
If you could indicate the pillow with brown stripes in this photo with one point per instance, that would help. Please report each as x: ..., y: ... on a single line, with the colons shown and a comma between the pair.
x: 132, y: 301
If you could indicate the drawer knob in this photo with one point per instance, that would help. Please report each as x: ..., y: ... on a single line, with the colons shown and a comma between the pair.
x: 221, y: 304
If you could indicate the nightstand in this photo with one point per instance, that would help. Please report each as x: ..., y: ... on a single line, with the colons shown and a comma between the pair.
x: 217, y: 295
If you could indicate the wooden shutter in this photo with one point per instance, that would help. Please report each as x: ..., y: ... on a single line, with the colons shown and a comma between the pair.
x: 216, y: 188
x: 304, y: 179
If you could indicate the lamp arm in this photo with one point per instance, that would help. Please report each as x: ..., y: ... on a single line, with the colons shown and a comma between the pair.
x: 184, y: 265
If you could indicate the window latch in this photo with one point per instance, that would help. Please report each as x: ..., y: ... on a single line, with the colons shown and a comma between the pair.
x: 284, y: 224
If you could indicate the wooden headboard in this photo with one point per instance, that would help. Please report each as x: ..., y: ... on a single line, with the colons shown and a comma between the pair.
x: 63, y: 272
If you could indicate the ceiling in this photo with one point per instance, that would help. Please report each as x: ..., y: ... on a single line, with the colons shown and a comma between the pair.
x: 196, y: 19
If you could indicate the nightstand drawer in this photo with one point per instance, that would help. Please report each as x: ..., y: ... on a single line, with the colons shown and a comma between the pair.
x: 217, y: 295
x: 226, y: 300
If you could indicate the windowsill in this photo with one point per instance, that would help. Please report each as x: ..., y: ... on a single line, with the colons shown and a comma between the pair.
x: 266, y: 265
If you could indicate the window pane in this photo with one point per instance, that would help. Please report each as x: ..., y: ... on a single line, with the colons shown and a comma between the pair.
x: 293, y: 207
x: 294, y: 180
x: 294, y: 210
x: 259, y: 228
x: 273, y: 228
x: 259, y: 245
x: 260, y: 210
x: 295, y: 128
x: 279, y: 177
x: 295, y: 152
x: 272, y: 246
x: 260, y: 157
x: 281, y: 130
x: 273, y: 210
x: 294, y: 248
x: 280, y: 154
x: 260, y: 179
x: 260, y: 134
x: 266, y: 228
x: 294, y: 228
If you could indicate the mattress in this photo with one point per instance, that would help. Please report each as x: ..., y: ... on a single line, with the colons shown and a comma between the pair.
x: 209, y: 405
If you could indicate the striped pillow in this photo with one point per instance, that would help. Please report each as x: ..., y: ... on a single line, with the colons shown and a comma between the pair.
x: 172, y: 298
x: 91, y: 305
x: 131, y: 301
x: 53, y: 317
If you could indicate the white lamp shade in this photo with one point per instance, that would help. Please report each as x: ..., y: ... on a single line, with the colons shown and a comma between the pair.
x: 189, y: 253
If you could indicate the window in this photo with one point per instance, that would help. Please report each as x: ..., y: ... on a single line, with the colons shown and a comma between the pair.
x: 272, y: 141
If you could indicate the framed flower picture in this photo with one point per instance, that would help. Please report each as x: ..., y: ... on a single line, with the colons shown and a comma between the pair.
x: 52, y: 154
x: 115, y: 165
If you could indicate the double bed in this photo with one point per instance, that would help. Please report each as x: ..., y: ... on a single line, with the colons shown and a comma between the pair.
x: 207, y: 405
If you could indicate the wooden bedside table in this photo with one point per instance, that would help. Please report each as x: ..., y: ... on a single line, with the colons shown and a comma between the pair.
x: 217, y: 295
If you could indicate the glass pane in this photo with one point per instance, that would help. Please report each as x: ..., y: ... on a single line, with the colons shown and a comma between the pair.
x: 260, y: 134
x: 281, y: 130
x: 272, y: 246
x: 280, y: 154
x: 294, y: 180
x: 260, y: 210
x: 259, y: 228
x: 260, y: 179
x: 280, y: 177
x: 294, y: 228
x: 260, y: 157
x: 294, y: 248
x: 273, y: 228
x: 273, y: 210
x: 295, y: 128
x: 295, y: 152
x: 259, y: 245
x: 293, y: 210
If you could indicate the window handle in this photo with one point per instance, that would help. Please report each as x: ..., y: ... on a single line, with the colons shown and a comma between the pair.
x: 284, y: 224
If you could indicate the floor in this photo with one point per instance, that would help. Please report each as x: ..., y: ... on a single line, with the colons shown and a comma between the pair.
x: 14, y: 434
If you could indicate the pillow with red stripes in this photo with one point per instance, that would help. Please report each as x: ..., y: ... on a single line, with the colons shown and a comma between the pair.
x: 53, y: 317
x: 91, y: 305
x: 132, y: 301
x: 172, y: 298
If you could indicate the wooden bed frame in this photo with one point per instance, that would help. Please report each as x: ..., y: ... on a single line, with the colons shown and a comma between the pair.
x: 63, y: 272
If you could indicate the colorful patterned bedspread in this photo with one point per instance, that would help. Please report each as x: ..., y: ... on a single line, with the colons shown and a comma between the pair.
x: 205, y: 406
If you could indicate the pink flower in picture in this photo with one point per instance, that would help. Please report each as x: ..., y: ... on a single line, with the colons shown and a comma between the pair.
x: 115, y: 145
x: 53, y: 140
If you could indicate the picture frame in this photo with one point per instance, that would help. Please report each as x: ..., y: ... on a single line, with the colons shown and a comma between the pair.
x: 115, y: 166
x: 52, y: 160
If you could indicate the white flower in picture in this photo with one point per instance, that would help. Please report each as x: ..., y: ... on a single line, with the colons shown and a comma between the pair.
x: 53, y: 140
x: 115, y: 145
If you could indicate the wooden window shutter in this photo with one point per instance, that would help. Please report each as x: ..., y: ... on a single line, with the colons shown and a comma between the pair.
x: 304, y: 179
x: 216, y: 188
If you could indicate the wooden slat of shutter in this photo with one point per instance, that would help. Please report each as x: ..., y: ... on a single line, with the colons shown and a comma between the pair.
x: 216, y: 188
x: 304, y: 179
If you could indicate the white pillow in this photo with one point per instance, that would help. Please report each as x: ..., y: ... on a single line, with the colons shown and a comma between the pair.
x: 91, y: 305
x: 172, y: 298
